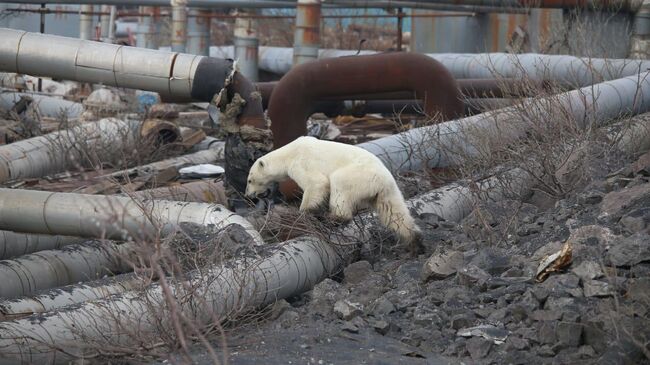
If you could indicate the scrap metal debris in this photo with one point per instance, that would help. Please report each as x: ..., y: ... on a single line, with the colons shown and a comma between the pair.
x: 554, y: 262
x: 487, y: 331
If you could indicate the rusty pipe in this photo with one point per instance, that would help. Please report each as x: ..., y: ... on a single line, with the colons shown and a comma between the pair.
x: 306, y: 38
x: 293, y: 98
x: 469, y: 88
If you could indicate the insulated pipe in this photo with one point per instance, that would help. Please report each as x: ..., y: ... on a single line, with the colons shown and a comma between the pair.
x: 306, y: 36
x: 203, y: 191
x: 562, y: 69
x: 214, y: 153
x: 112, y: 217
x: 198, y: 32
x: 146, y: 29
x: 28, y: 274
x: 293, y: 98
x: 13, y: 244
x: 47, y: 106
x: 246, y: 45
x: 447, y: 143
x: 614, y: 5
x: 52, y: 299
x: 175, y: 76
x: 55, y: 152
x: 86, y: 22
x: 179, y: 27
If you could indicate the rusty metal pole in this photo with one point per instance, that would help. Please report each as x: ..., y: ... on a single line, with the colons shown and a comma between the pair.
x: 306, y: 39
x: 246, y: 46
x: 198, y: 32
x: 179, y: 27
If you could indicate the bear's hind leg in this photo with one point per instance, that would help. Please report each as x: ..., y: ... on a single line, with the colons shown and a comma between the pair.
x: 342, y: 205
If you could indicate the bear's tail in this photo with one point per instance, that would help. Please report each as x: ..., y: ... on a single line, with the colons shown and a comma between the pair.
x: 394, y: 214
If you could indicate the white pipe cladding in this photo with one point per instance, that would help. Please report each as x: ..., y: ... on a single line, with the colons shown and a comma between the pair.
x: 47, y: 106
x: 72, y: 264
x: 295, y: 267
x: 71, y: 294
x: 444, y: 144
x: 564, y: 69
x: 167, y: 73
x: 113, y: 217
x: 52, y: 153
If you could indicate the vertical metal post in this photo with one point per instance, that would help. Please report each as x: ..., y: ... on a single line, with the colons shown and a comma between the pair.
x: 306, y: 39
x: 111, y: 25
x: 400, y: 20
x: 179, y: 28
x: 146, y: 28
x: 104, y: 22
x: 40, y: 80
x: 198, y: 32
x: 86, y: 22
x: 246, y: 47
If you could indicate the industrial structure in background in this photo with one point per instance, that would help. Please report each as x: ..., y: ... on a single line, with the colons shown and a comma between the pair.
x: 462, y: 27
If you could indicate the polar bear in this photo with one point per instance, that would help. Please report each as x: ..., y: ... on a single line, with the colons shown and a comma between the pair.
x: 351, y: 177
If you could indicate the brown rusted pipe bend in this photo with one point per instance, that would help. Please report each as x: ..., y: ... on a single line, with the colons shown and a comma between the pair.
x: 295, y: 95
x: 469, y: 88
x: 293, y: 98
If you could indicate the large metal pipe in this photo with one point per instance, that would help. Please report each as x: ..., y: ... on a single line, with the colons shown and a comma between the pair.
x: 175, y: 76
x: 113, y: 217
x: 293, y: 98
x: 448, y: 143
x: 43, y: 155
x: 198, y: 32
x: 86, y: 22
x: 28, y: 274
x: 179, y: 27
x: 306, y: 36
x: 47, y: 106
x: 566, y: 70
x: 613, y: 5
x: 469, y: 88
x: 246, y: 46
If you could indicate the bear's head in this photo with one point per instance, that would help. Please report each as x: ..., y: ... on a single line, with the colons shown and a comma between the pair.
x: 259, y: 180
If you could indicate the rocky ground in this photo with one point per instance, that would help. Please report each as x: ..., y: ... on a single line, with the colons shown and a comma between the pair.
x: 473, y: 298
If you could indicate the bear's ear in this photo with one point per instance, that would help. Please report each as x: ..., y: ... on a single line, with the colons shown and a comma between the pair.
x: 261, y: 163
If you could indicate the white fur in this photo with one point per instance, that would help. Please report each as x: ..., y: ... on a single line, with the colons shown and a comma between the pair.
x: 351, y: 177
